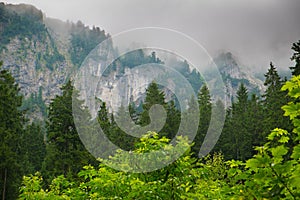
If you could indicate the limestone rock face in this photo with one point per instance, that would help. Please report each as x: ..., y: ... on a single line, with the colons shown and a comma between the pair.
x: 48, y: 52
x: 234, y: 74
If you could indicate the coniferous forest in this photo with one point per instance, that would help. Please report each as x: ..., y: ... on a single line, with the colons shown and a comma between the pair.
x: 256, y: 157
x: 42, y: 156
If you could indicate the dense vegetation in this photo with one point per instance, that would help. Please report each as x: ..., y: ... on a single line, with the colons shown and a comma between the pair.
x: 22, y: 147
x: 27, y: 25
x: 272, y: 173
x: 83, y: 41
x: 256, y: 157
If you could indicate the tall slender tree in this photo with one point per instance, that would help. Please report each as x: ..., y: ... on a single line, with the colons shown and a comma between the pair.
x: 11, y: 129
x: 66, y: 154
x: 296, y: 58
x: 33, y: 148
x: 173, y: 120
x: 123, y: 139
x: 153, y: 96
x: 205, y: 106
x: 242, y: 145
x: 237, y: 139
x: 273, y: 100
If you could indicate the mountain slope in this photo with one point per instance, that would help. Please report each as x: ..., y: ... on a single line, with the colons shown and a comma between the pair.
x: 233, y: 74
x: 42, y: 53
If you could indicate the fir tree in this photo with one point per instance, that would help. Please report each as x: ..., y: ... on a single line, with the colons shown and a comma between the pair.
x: 66, y: 154
x: 236, y: 139
x: 273, y: 100
x: 240, y: 125
x: 153, y: 97
x: 296, y: 58
x: 121, y: 136
x: 205, y: 106
x: 11, y: 130
x: 33, y: 148
x: 173, y: 120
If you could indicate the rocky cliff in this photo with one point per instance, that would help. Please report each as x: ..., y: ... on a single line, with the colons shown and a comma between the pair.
x: 43, y: 53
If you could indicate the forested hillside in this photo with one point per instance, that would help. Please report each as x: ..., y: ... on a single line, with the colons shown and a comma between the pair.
x: 256, y: 157
x: 43, y: 157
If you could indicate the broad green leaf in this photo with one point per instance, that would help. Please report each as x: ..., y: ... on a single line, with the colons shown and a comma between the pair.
x: 278, y: 152
x: 296, y: 152
x: 277, y: 132
x: 292, y: 110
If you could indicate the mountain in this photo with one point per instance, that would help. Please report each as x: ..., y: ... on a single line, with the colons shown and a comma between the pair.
x: 233, y: 74
x: 42, y: 53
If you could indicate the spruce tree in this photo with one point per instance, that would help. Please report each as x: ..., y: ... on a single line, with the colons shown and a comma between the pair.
x: 122, y: 137
x: 11, y: 130
x: 240, y: 125
x: 103, y: 119
x: 173, y: 120
x: 153, y: 97
x: 205, y: 106
x: 33, y: 148
x: 255, y: 117
x: 66, y: 155
x: 273, y: 100
x: 133, y: 112
x: 237, y: 139
x: 296, y: 58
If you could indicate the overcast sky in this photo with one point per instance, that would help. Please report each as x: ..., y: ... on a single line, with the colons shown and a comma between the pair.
x: 255, y: 31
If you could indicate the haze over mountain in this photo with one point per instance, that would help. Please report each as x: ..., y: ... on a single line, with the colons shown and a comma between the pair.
x: 42, y: 53
x: 257, y: 32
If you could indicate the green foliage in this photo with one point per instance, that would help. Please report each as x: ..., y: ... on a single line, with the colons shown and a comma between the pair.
x: 274, y: 99
x: 275, y: 168
x: 27, y: 25
x: 296, y: 58
x: 35, y: 103
x: 65, y: 152
x: 33, y: 148
x: 121, y: 138
x: 51, y: 59
x: 153, y: 96
x: 205, y: 106
x: 11, y: 130
x: 83, y: 40
x: 236, y: 141
x: 136, y: 58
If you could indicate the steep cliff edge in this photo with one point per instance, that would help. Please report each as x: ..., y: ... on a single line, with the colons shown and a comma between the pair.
x: 42, y: 53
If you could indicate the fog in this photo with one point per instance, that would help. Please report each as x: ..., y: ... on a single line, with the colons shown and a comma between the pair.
x: 256, y: 32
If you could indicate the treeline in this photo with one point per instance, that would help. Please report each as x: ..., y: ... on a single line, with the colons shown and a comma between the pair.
x: 272, y: 173
x: 22, y: 147
x: 26, y: 25
x: 59, y: 155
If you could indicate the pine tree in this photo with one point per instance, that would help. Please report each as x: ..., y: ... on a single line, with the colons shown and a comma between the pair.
x: 133, y: 112
x: 103, y: 119
x: 11, y: 130
x: 236, y: 141
x: 153, y: 97
x: 190, y: 119
x: 122, y: 137
x: 173, y: 120
x: 218, y: 123
x: 240, y: 125
x: 256, y: 119
x: 205, y: 106
x: 273, y: 100
x: 66, y: 154
x: 296, y: 58
x: 33, y: 148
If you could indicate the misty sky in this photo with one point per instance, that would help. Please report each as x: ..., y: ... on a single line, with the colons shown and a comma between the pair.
x: 255, y: 31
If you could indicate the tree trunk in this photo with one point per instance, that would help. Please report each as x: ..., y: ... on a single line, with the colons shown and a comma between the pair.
x: 4, y: 184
